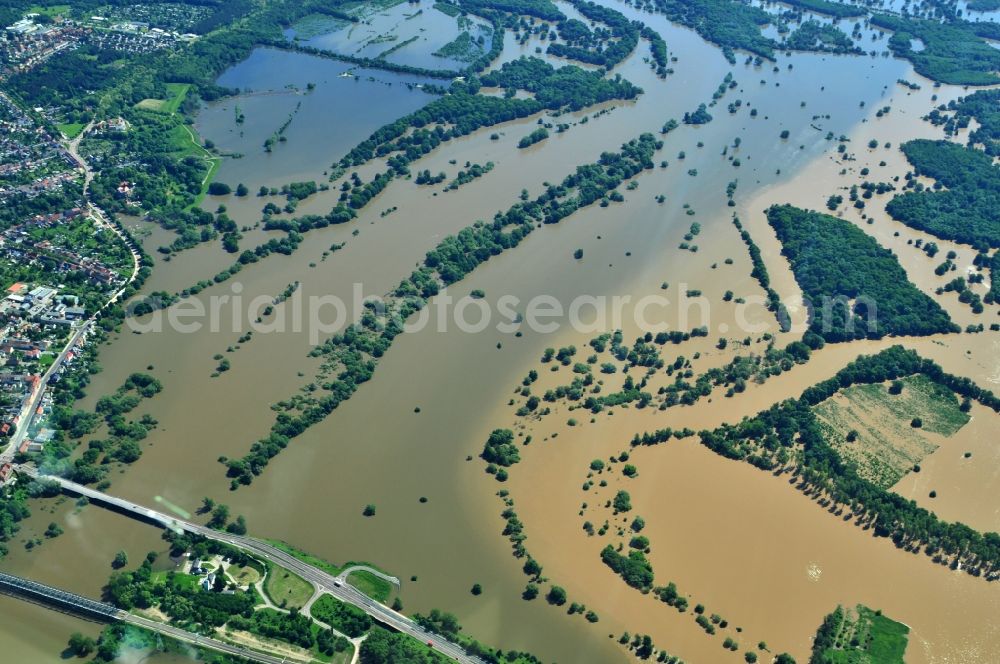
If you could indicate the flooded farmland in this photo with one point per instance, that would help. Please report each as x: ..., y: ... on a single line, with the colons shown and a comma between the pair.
x: 747, y: 544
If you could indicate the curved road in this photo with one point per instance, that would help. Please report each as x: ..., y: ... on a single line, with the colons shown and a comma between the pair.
x: 347, y: 571
x: 321, y: 580
x: 73, y: 148
x: 21, y: 587
x: 31, y: 406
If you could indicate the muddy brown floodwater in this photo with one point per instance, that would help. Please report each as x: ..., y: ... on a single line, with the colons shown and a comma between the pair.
x: 739, y: 539
x: 746, y: 544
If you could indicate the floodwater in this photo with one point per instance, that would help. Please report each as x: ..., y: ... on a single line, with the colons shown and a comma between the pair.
x: 964, y: 474
x: 402, y: 34
x: 347, y: 102
x: 746, y: 544
x: 376, y: 449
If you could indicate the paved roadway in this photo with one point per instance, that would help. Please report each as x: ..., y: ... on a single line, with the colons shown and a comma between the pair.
x: 106, y: 612
x: 347, y: 571
x: 203, y: 641
x: 28, y: 413
x: 322, y: 580
x: 73, y: 148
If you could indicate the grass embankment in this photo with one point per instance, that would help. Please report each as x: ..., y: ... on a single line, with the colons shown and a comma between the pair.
x: 378, y: 589
x: 184, y: 141
x: 286, y: 589
x: 186, y: 144
x: 874, y: 428
x: 307, y: 558
x: 375, y: 587
x: 324, y: 565
x: 245, y: 575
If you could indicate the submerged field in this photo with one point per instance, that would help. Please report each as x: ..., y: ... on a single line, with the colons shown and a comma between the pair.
x: 876, y: 428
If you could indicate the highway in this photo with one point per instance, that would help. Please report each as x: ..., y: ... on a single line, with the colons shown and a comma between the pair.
x: 16, y: 585
x: 323, y: 581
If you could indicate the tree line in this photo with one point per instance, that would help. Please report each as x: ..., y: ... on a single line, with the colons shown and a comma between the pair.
x: 355, y: 352
x: 759, y: 272
x: 984, y: 107
x: 464, y: 110
x: 790, y: 430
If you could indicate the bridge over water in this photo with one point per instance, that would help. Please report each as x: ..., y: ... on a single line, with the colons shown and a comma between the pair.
x: 63, y: 599
x: 15, y: 585
x: 322, y: 581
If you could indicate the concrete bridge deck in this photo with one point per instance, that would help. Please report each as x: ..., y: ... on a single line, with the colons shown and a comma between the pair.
x: 322, y: 581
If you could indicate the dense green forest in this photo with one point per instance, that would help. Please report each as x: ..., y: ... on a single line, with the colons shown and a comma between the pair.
x: 953, y: 52
x: 967, y: 209
x: 855, y: 288
x: 542, y: 9
x: 994, y: 266
x: 597, y: 48
x: 633, y: 567
x: 537, y: 136
x: 983, y: 107
x: 790, y: 433
x: 382, y: 646
x: 729, y: 24
x: 814, y: 36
